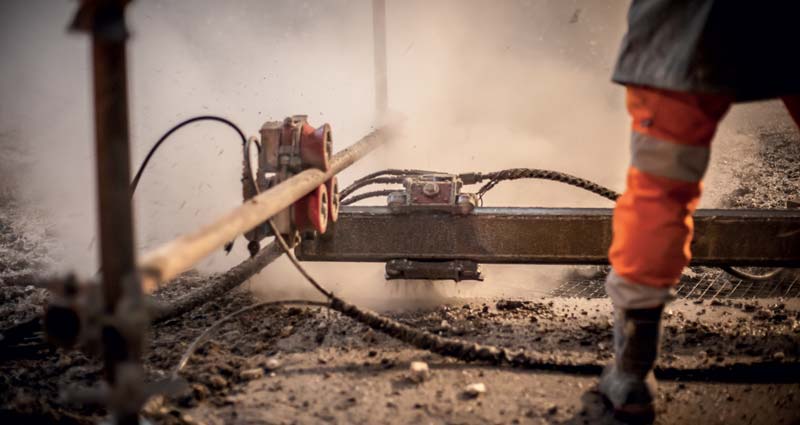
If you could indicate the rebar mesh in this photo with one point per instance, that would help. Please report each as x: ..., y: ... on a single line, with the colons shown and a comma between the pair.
x: 703, y: 284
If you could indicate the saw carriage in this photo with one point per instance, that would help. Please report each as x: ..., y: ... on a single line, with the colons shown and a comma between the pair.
x: 432, y: 226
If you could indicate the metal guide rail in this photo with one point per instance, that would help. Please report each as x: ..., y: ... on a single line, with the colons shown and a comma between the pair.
x: 768, y: 238
x: 433, y: 228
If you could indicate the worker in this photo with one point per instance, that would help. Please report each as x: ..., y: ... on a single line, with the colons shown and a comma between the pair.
x: 683, y: 64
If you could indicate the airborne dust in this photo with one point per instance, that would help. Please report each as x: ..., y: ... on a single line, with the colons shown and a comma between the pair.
x: 484, y: 85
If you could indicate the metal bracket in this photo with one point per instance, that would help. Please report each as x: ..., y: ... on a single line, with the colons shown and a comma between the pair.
x: 456, y: 270
x: 432, y: 193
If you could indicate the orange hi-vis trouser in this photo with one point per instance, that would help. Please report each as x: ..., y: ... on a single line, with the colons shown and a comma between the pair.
x: 670, y: 149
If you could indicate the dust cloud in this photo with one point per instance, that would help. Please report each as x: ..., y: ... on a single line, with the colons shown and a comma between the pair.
x: 484, y: 85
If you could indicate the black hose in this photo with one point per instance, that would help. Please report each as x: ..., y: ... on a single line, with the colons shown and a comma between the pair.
x: 361, y: 196
x: 175, y: 128
x: 366, y: 182
x: 377, y: 177
x: 395, y: 172
x: 741, y: 274
x: 206, y: 333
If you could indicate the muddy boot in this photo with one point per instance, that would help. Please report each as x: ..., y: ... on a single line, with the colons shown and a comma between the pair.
x: 628, y: 383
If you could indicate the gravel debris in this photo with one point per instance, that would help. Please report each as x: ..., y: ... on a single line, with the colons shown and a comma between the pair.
x: 251, y: 374
x: 474, y: 390
x: 419, y: 372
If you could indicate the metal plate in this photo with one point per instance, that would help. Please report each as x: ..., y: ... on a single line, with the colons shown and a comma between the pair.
x: 456, y: 270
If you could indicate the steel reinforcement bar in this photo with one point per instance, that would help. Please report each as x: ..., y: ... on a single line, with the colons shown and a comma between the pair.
x: 169, y: 260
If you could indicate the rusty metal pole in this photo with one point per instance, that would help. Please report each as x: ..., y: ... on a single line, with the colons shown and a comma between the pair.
x: 123, y: 307
x: 113, y: 164
x: 379, y: 40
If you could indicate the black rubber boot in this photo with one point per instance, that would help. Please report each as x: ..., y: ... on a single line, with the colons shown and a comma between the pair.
x: 628, y: 383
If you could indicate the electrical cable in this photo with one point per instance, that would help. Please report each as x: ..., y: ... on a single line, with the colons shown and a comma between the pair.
x: 288, y: 251
x: 741, y: 274
x: 172, y: 130
x: 245, y: 147
x: 395, y: 172
x: 361, y: 196
x: 366, y: 182
x: 400, y: 175
x: 206, y: 333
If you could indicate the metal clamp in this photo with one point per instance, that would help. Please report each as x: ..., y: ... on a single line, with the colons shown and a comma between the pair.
x: 288, y: 148
x: 432, y: 193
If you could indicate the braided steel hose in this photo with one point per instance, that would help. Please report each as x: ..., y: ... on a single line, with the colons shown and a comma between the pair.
x: 534, y: 173
x: 472, y: 178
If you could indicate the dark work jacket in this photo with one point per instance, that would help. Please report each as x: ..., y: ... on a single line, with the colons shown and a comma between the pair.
x: 747, y: 49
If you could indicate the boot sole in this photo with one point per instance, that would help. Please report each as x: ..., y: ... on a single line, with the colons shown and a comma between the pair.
x: 638, y: 414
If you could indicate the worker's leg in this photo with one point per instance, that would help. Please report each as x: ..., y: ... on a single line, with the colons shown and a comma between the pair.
x: 653, y: 226
x: 652, y: 229
x: 793, y: 105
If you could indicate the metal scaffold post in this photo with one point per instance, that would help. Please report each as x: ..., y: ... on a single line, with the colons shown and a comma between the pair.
x: 379, y: 40
x: 124, y: 312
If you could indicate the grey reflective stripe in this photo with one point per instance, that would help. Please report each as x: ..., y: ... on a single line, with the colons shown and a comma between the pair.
x: 671, y: 160
x: 632, y: 295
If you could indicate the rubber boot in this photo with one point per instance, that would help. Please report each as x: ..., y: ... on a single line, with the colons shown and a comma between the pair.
x: 628, y: 383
